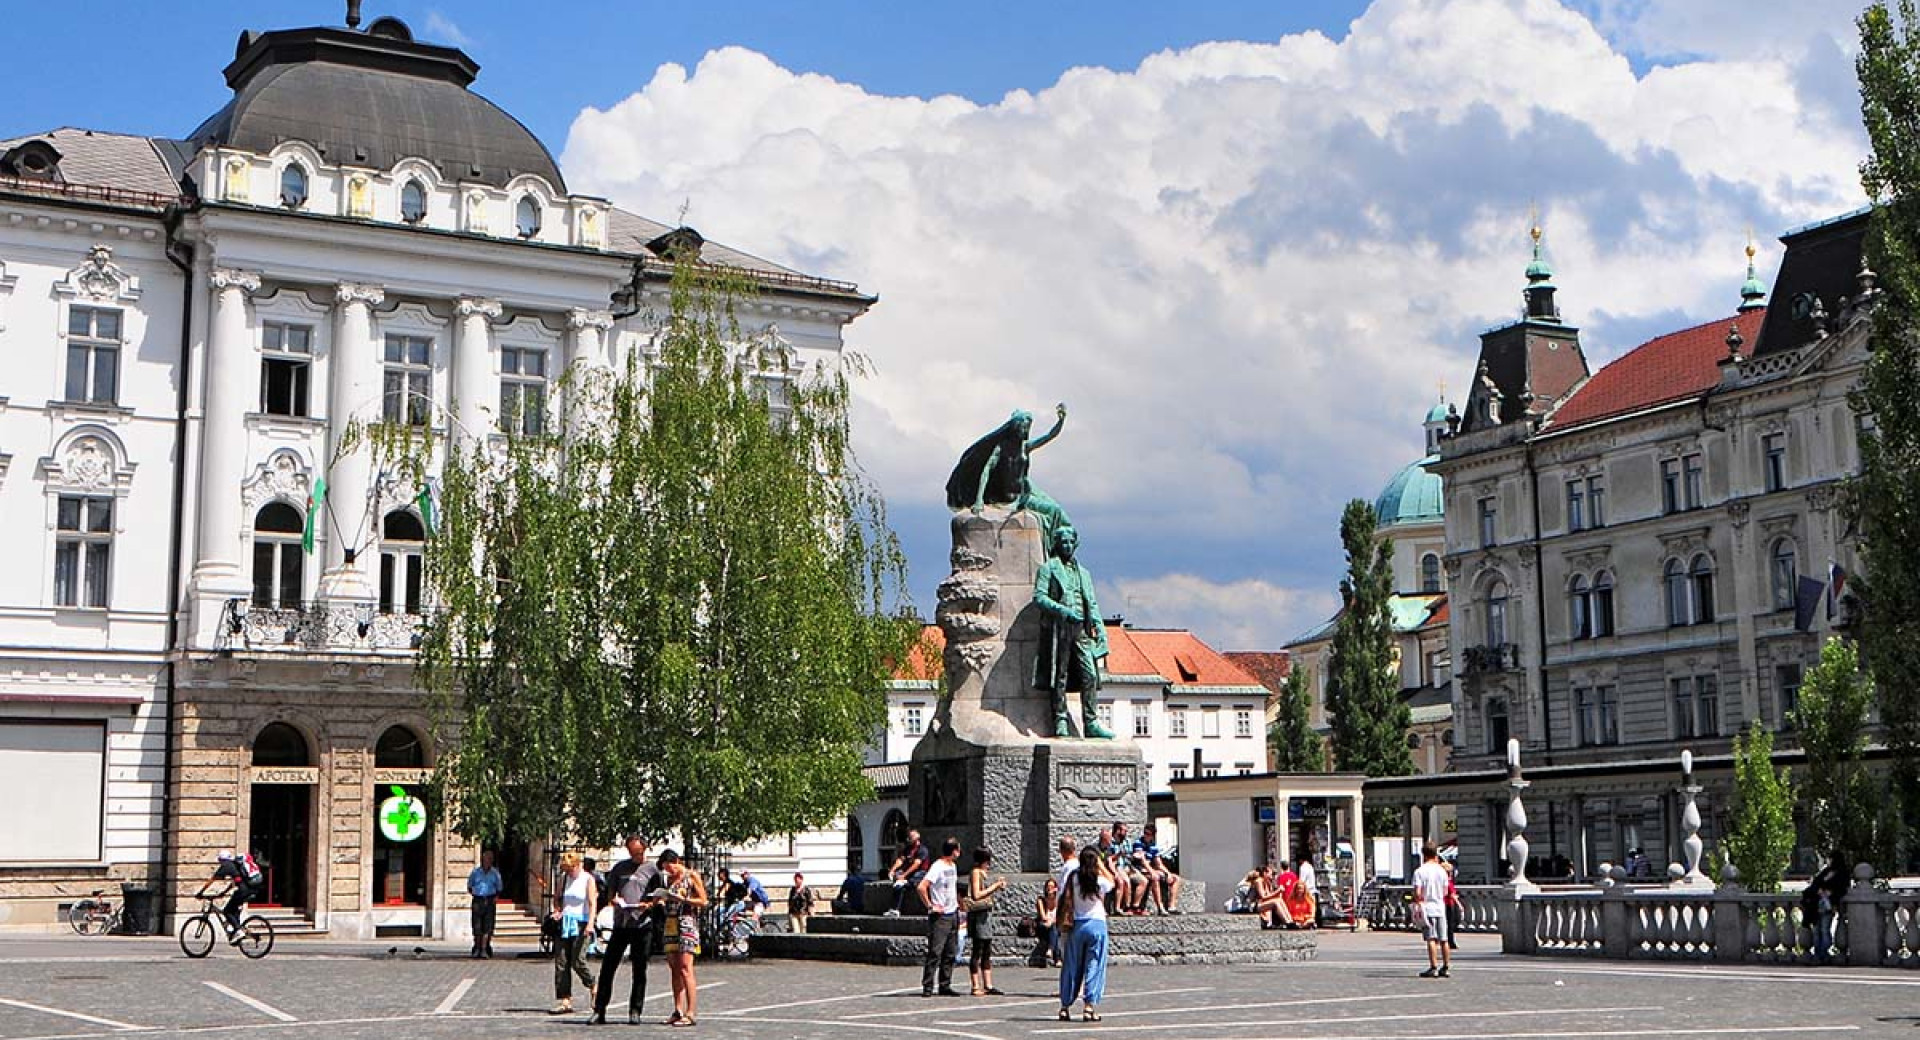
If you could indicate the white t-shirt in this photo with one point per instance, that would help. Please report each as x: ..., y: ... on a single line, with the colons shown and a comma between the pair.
x: 1066, y: 867
x: 941, y: 897
x: 1430, y: 884
x: 1306, y: 875
x: 1084, y: 908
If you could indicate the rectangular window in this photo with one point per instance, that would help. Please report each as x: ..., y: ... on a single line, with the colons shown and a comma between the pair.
x: 1142, y: 719
x: 286, y: 359
x: 1576, y: 505
x: 523, y: 390
x: 1243, y: 722
x: 1176, y: 720
x: 1177, y: 771
x: 1586, y: 716
x: 1609, y: 715
x: 1786, y: 683
x: 1690, y: 468
x: 1489, y: 524
x: 1209, y: 723
x: 1210, y: 769
x: 1243, y: 768
x: 1497, y: 729
x: 1670, y: 485
x: 400, y: 573
x: 64, y: 766
x: 1774, y: 448
x: 93, y: 355
x: 1104, y: 712
x: 407, y: 383
x: 82, y: 552
x: 913, y: 722
x: 1706, y: 697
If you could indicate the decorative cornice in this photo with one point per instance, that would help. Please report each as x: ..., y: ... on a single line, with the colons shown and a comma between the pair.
x: 224, y: 278
x: 580, y: 318
x: 486, y: 307
x: 359, y: 292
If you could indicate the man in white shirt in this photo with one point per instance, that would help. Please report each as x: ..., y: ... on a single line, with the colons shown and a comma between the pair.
x: 1069, y: 861
x: 1430, y: 889
x: 939, y: 890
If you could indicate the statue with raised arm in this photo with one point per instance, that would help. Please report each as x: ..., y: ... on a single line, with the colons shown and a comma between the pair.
x: 1075, y: 636
x: 994, y: 471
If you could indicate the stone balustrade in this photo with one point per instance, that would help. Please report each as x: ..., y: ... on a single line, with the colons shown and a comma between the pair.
x: 317, y: 626
x: 1479, y: 909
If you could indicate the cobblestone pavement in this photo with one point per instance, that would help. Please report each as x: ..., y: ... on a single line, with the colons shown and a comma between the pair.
x: 1362, y: 987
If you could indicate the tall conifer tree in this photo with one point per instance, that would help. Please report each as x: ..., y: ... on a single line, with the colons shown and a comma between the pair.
x: 1364, y: 709
x: 1887, y: 493
x: 1296, y: 747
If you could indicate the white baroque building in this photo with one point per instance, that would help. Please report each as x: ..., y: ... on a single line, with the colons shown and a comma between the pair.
x: 192, y: 327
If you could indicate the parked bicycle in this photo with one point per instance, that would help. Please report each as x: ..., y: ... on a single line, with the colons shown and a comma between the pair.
x: 97, y: 915
x: 254, y: 936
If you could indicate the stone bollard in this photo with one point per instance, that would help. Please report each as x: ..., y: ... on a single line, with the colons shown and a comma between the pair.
x: 1862, y: 907
x: 1729, y: 918
x: 1613, y: 915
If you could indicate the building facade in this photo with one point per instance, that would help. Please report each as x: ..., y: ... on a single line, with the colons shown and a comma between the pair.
x: 1645, y: 559
x: 210, y: 650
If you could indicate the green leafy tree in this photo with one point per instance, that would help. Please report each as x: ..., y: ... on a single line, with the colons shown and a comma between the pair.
x: 678, y: 617
x: 1759, y: 841
x: 1296, y: 747
x: 1888, y: 488
x: 1364, y: 709
x: 1849, y: 824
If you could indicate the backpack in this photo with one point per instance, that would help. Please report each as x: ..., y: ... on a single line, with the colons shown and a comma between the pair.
x: 251, y: 869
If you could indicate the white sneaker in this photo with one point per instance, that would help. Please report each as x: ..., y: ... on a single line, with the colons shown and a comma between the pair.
x: 891, y: 913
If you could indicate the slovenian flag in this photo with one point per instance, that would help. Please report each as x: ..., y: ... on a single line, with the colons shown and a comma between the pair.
x: 1836, y: 581
x: 315, y: 503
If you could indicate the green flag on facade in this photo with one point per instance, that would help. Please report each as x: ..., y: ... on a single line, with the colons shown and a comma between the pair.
x: 425, y: 501
x: 316, y: 503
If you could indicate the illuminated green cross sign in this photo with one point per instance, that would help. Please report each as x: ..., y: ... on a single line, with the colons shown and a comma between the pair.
x: 402, y: 817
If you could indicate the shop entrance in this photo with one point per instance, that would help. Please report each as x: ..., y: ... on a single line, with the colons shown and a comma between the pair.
x: 280, y: 815
x: 400, y: 852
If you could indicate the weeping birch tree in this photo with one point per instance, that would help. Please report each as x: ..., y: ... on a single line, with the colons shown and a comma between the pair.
x: 679, y: 616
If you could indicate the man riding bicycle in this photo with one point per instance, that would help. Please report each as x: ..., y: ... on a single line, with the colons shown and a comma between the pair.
x: 246, y: 879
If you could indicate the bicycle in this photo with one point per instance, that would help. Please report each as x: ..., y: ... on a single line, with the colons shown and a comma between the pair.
x: 737, y: 929
x: 254, y: 936
x: 96, y: 915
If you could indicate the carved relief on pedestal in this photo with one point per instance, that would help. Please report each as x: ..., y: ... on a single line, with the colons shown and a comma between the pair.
x: 968, y: 612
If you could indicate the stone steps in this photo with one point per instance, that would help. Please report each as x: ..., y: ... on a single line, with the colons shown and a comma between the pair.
x: 1180, y: 939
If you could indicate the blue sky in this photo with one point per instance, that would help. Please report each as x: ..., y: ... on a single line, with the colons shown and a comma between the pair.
x: 1245, y: 240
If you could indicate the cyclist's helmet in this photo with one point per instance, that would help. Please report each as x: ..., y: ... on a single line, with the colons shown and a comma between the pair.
x: 226, y: 854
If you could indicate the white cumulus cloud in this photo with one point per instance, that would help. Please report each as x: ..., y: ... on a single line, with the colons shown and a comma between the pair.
x: 1245, y: 266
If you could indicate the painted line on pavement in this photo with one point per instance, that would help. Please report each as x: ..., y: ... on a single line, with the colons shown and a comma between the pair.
x: 1567, y: 1034
x: 453, y: 999
x: 1660, y: 971
x: 735, y: 1012
x: 1368, y: 999
x: 95, y: 1019
x: 843, y: 1024
x: 258, y: 1005
x: 1049, y: 1002
x: 1332, y: 1022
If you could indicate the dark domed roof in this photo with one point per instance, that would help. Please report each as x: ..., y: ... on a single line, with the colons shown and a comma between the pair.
x: 372, y: 99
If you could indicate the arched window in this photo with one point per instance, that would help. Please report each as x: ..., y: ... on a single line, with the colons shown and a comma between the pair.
x: 1430, y: 573
x: 280, y: 745
x: 1579, y: 609
x: 413, y: 201
x: 1601, y: 607
x: 526, y: 216
x: 1701, y: 574
x: 893, y: 837
x: 1413, y: 742
x: 399, y: 748
x: 279, y: 561
x: 1785, y: 569
x: 293, y: 186
x: 1676, y: 581
x: 402, y: 554
x: 1497, y: 614
x: 856, y: 848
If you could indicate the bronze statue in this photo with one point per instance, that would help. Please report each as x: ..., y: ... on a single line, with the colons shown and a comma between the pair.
x: 1076, y: 636
x: 993, y: 471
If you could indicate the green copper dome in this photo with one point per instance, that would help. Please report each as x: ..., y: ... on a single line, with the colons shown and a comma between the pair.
x: 1411, y: 497
x: 1438, y: 413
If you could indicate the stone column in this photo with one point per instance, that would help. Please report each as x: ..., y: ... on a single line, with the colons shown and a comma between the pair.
x: 355, y: 366
x: 233, y: 378
x: 586, y: 360
x: 474, y: 368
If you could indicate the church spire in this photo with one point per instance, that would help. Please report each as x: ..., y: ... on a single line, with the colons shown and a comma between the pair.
x: 1539, y: 291
x: 1753, y: 295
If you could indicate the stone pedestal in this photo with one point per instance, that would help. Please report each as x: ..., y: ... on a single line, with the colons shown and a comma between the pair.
x: 989, y: 770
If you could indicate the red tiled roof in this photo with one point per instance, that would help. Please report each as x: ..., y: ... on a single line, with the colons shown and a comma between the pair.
x: 1124, y: 656
x: 1662, y: 370
x: 923, y: 658
x: 1184, y: 660
x: 1438, y: 618
x: 1268, y: 666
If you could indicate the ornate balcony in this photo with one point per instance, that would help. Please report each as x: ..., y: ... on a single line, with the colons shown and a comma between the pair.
x: 1481, y: 660
x: 317, y: 627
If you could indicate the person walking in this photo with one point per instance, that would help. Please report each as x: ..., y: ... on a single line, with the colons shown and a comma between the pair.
x: 800, y: 900
x: 573, y: 910
x: 1430, y: 890
x: 483, y: 887
x: 685, y: 895
x: 1046, y: 947
x: 1453, y: 906
x: 1083, y: 964
x: 982, y: 888
x: 939, y: 891
x: 633, y: 887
